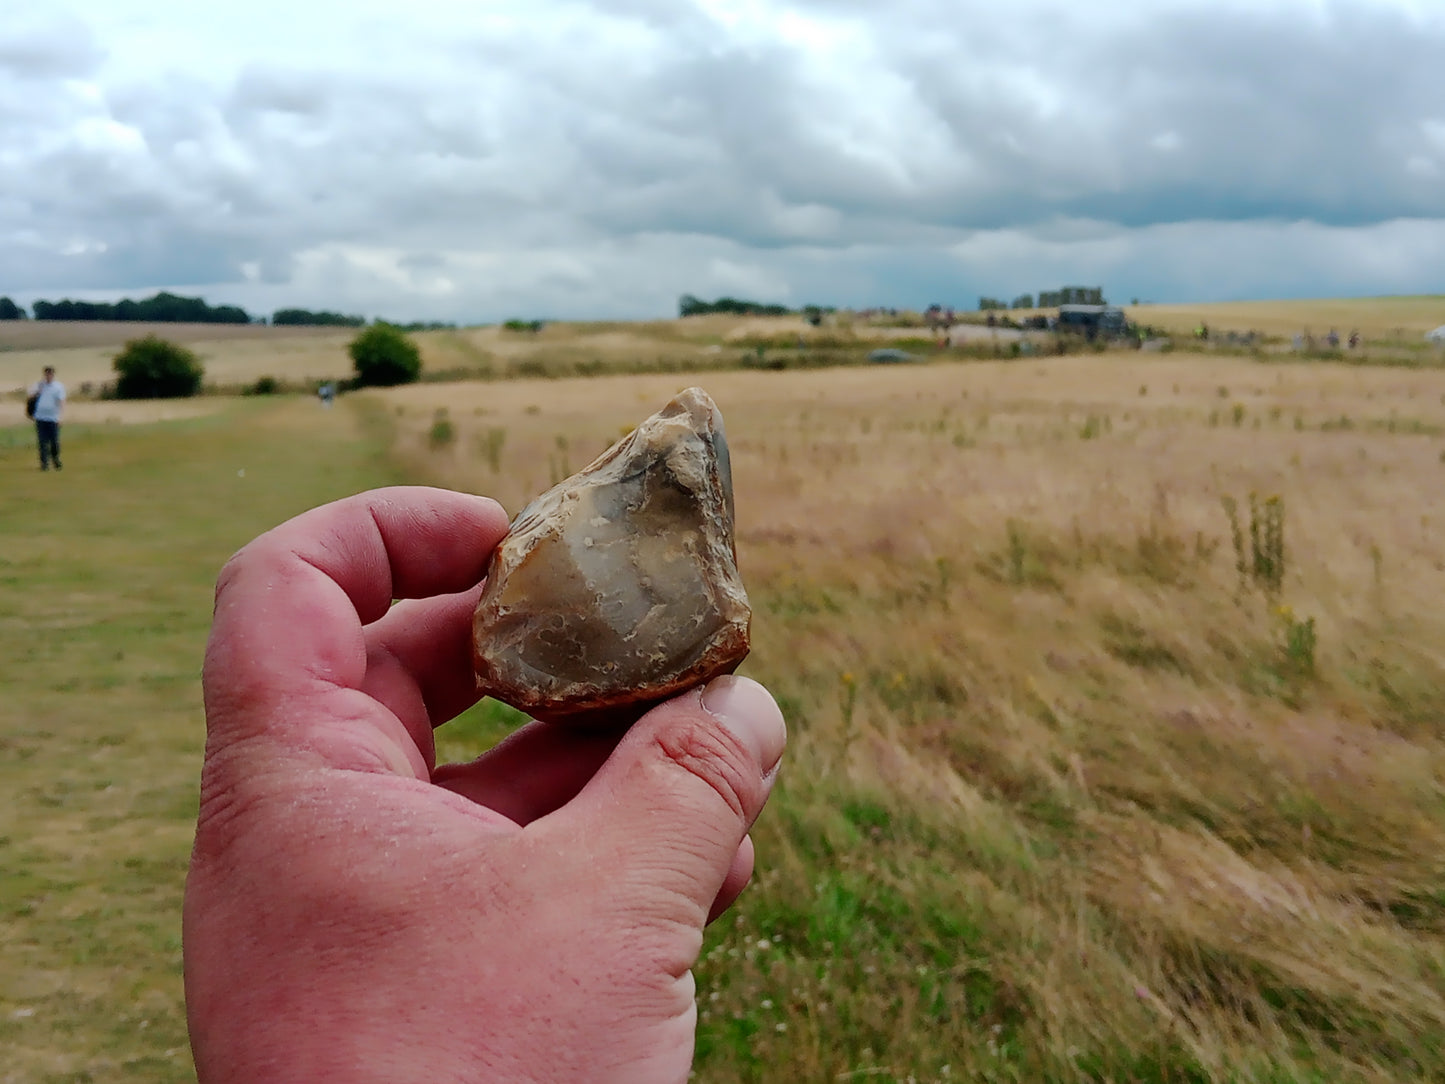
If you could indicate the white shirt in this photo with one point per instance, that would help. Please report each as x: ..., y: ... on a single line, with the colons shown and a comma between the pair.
x: 52, y: 398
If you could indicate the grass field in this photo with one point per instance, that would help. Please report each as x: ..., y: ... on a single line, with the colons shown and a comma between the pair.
x: 1378, y: 319
x: 237, y: 356
x: 1086, y: 782
x: 107, y: 573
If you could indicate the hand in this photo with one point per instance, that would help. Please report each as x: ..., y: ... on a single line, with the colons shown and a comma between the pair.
x: 355, y: 913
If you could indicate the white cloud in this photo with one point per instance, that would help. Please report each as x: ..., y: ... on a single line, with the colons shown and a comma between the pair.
x: 455, y: 160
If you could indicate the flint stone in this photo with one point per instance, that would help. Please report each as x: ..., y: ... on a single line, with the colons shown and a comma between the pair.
x: 619, y: 587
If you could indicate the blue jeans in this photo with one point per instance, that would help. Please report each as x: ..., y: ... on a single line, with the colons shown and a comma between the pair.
x: 47, y: 435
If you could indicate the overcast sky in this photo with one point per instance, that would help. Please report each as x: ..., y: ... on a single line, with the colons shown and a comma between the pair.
x: 473, y: 160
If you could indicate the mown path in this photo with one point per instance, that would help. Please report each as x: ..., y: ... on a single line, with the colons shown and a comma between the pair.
x: 106, y: 575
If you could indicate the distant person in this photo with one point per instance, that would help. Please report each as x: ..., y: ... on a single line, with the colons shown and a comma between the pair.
x: 45, y: 403
x: 326, y: 393
x: 1354, y: 338
x: 1333, y: 339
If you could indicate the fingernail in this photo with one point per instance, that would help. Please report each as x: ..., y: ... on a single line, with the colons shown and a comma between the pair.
x: 749, y: 711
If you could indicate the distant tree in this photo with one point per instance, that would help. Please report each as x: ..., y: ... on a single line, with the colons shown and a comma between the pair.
x: 384, y: 357
x: 11, y: 311
x: 687, y: 305
x: 306, y: 318
x: 1023, y: 301
x: 813, y: 314
x: 433, y: 325
x: 987, y: 304
x: 153, y: 368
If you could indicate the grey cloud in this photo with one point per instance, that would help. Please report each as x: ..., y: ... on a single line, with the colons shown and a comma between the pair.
x: 304, y: 94
x: 577, y: 149
x: 47, y: 48
x: 422, y: 261
x: 1272, y: 116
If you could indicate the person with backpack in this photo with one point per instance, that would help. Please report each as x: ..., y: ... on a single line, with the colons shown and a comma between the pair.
x: 44, y: 404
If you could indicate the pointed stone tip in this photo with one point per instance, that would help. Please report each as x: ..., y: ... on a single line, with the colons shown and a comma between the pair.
x: 619, y: 587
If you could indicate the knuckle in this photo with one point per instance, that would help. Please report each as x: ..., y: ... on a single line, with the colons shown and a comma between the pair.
x: 709, y: 754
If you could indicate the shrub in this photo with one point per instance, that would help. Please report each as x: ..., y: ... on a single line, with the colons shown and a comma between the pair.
x: 153, y: 368
x: 384, y: 356
x: 264, y: 385
x: 443, y: 433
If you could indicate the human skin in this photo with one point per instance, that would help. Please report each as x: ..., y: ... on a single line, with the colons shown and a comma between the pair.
x: 355, y: 913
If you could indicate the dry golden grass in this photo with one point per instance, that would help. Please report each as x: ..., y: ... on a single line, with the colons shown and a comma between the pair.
x: 233, y: 354
x: 237, y: 356
x: 112, y: 334
x: 1066, y: 799
x: 1377, y: 318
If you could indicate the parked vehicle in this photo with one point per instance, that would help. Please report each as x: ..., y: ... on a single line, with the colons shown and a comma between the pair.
x: 1093, y: 321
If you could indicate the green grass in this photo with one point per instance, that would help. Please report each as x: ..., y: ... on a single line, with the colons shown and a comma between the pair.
x: 107, y: 571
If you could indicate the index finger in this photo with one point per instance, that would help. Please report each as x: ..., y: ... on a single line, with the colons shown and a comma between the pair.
x: 291, y: 606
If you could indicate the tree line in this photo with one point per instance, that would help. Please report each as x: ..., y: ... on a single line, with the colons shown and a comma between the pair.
x: 168, y: 308
x: 163, y: 308
x: 306, y: 318
x: 687, y: 305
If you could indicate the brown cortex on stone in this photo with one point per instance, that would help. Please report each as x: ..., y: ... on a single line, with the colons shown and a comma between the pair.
x: 619, y: 587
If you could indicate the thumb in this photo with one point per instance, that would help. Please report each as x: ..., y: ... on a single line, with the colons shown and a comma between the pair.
x: 664, y: 817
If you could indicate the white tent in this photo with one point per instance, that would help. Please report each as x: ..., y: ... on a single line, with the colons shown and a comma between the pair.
x: 1436, y: 336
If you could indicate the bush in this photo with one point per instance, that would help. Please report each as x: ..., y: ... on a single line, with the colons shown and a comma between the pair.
x: 443, y: 433
x: 384, y: 357
x: 264, y: 385
x: 153, y: 368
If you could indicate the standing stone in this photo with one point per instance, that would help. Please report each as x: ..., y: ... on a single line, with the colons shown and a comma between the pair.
x: 619, y: 587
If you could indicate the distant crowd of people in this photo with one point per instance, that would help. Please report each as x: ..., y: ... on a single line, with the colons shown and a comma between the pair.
x: 1305, y: 340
